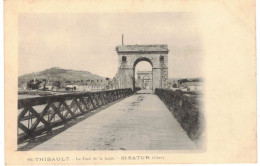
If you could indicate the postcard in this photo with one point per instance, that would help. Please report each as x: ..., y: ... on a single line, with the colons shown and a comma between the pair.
x: 130, y: 82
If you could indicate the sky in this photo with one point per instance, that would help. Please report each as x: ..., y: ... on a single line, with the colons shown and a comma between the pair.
x: 87, y: 41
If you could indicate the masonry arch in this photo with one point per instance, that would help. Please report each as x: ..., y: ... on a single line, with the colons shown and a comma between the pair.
x: 130, y: 55
x: 146, y: 59
x: 143, y: 72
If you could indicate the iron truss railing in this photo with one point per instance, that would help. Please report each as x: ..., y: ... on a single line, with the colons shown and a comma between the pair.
x: 40, y: 115
x: 184, y: 108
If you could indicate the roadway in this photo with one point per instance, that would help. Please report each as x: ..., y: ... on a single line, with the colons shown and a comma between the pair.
x: 138, y: 122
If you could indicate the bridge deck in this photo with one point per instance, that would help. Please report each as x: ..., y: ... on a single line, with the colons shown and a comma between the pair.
x: 139, y: 122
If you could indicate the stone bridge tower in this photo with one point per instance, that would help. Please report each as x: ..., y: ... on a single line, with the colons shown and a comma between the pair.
x: 130, y: 55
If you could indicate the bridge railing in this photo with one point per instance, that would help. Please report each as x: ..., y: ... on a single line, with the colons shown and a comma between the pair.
x: 184, y: 109
x: 40, y: 115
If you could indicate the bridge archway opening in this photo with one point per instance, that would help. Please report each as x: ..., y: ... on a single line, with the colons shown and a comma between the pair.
x: 129, y: 57
x: 143, y: 72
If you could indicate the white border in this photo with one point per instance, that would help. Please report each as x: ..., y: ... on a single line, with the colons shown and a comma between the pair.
x: 257, y: 72
x: 2, y: 85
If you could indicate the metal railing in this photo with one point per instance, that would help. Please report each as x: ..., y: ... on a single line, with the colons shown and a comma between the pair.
x: 40, y: 115
x: 184, y: 109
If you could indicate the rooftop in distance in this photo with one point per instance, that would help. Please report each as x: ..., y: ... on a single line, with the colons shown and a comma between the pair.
x: 142, y: 48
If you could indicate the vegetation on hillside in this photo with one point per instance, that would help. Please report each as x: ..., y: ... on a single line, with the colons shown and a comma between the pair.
x: 62, y: 75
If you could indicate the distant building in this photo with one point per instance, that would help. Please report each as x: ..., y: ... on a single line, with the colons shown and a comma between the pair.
x: 22, y: 86
x: 190, y: 84
x: 172, y: 84
x: 72, y: 86
x: 49, y: 87
x: 144, y: 80
x: 91, y: 85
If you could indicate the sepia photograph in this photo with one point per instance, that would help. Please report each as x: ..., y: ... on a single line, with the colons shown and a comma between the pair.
x: 129, y: 82
x: 110, y: 81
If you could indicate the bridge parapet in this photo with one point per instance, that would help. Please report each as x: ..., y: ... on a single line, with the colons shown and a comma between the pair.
x: 37, y: 116
x: 185, y: 109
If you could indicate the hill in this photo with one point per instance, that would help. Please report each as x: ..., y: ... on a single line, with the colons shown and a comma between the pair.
x: 58, y: 74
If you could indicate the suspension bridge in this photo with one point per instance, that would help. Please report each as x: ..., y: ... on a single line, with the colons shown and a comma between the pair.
x: 118, y: 119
